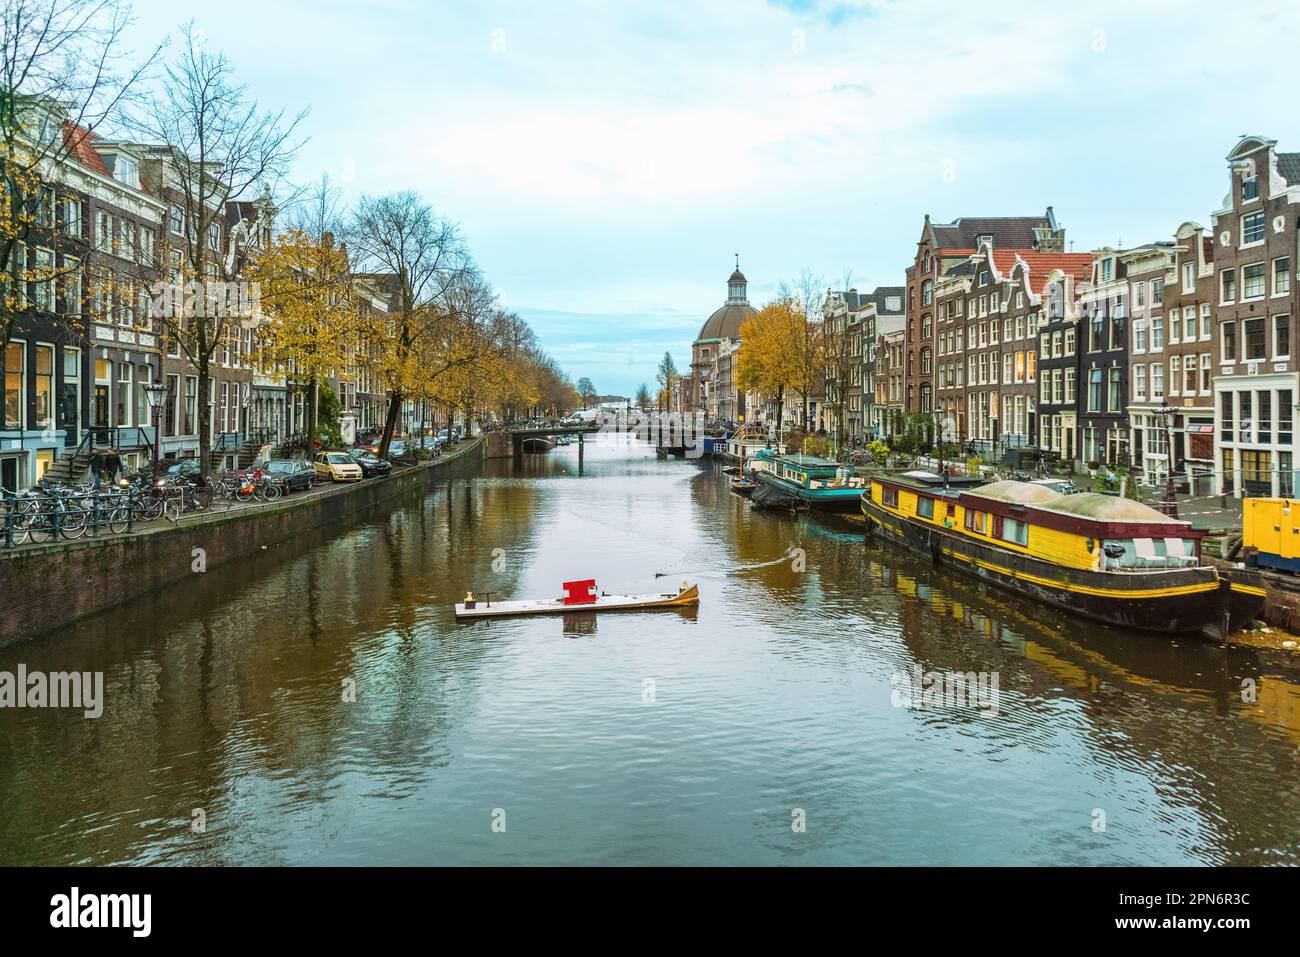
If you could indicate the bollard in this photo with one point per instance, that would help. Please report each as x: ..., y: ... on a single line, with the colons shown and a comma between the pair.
x: 130, y: 510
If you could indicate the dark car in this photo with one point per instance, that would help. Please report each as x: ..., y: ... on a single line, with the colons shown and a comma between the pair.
x: 290, y: 474
x: 185, y: 468
x: 371, y: 465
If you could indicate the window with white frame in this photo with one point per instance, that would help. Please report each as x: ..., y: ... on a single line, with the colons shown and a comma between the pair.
x: 1252, y: 281
x: 1157, y: 333
x: 1282, y: 337
x: 1205, y: 322
x: 1189, y: 277
x: 1175, y: 375
x: 1139, y: 383
x: 1228, y: 286
x: 1281, y: 276
x: 1252, y: 228
x: 1157, y: 381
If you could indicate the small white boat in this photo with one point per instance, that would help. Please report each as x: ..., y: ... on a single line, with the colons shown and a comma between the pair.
x: 581, y: 597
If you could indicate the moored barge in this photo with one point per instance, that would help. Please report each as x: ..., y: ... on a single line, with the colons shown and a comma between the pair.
x: 1101, y: 556
x: 814, y: 482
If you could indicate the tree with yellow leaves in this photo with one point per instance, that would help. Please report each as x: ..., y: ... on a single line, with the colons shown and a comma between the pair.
x: 310, y: 323
x: 771, y: 352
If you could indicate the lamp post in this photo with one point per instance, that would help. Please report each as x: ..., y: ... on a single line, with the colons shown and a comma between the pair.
x: 157, y: 396
x: 1169, y: 502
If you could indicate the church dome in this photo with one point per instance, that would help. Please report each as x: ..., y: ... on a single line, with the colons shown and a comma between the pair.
x: 726, y: 321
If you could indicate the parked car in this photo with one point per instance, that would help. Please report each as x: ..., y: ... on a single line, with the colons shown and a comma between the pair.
x: 337, y: 467
x: 185, y: 468
x: 370, y: 463
x: 396, y: 448
x: 290, y: 474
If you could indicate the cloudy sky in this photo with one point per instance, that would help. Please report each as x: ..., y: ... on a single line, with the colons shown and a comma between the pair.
x: 606, y: 159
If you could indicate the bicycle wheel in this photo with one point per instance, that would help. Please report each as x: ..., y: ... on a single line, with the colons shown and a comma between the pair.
x: 72, y: 523
x: 200, y: 499
x: 118, y: 519
x: 270, y: 492
x: 172, y: 508
x: 149, y: 508
x: 36, y: 527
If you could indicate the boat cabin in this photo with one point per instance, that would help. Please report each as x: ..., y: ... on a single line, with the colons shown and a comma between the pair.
x: 1084, y: 531
x: 813, y: 473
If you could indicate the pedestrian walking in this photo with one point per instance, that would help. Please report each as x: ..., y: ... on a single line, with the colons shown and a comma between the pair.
x: 112, y: 466
x: 96, y: 466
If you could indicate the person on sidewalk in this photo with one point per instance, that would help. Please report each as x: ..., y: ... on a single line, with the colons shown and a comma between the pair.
x: 96, y: 466
x: 112, y: 466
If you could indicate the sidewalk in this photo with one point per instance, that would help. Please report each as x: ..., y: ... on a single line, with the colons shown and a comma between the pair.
x: 1204, y: 511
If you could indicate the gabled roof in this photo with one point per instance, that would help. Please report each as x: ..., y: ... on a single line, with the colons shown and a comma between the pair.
x: 1007, y: 231
x: 1288, y: 164
x: 78, y: 140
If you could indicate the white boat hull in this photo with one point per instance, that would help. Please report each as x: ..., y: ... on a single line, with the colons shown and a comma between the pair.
x: 556, y: 606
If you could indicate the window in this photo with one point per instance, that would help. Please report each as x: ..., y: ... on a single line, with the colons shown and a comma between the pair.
x: 1228, y: 286
x: 1228, y: 341
x: 1252, y: 281
x: 15, y: 354
x: 1249, y: 187
x: 124, y: 393
x: 976, y: 521
x: 176, y: 220
x: 925, y: 507
x: 1175, y: 327
x: 1175, y: 374
x: 1189, y: 277
x: 125, y: 171
x: 889, y: 496
x: 1205, y: 373
x: 1253, y: 339
x: 1281, y: 276
x: 1157, y: 333
x: 1007, y: 368
x: 71, y: 287
x: 1116, y: 390
x: 1094, y: 390
x: 1139, y: 383
x: 1189, y: 375
x: 927, y: 287
x: 1157, y: 381
x: 1189, y: 323
x: 1069, y: 342
x: 214, y: 243
x: 1281, y: 337
x: 72, y: 217
x: 1139, y: 295
x: 43, y: 279
x: 191, y: 405
x: 1157, y: 292
x: 103, y: 232
x: 1252, y: 228
x: 1205, y: 321
x: 1013, y: 530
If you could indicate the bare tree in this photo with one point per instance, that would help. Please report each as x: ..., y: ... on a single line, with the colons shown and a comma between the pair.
x: 64, y: 72
x: 421, y: 258
x: 213, y: 144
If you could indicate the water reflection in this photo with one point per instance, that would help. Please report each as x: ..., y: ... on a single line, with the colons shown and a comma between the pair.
x: 230, y: 693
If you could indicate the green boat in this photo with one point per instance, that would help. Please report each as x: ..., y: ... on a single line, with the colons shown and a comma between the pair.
x: 813, y: 482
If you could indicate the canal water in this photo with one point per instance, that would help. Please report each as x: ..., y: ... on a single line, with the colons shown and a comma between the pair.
x: 769, y: 726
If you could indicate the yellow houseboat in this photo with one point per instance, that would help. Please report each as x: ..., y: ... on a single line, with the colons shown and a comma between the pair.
x: 1101, y: 556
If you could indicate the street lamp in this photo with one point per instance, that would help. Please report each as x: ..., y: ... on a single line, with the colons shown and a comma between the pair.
x: 157, y: 396
x: 1169, y: 503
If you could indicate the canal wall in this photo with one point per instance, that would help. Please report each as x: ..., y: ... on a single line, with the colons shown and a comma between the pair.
x: 48, y: 587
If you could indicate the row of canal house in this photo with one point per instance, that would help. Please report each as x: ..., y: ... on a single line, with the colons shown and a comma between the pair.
x: 1176, y: 354
x: 83, y: 347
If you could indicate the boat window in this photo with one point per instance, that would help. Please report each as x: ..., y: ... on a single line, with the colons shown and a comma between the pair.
x: 975, y: 521
x: 1015, y: 531
x: 1123, y: 553
x: 889, y: 496
x: 925, y: 507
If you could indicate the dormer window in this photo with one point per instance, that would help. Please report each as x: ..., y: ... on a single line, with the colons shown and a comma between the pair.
x: 1249, y: 187
x: 984, y: 278
x: 983, y: 238
x: 126, y: 171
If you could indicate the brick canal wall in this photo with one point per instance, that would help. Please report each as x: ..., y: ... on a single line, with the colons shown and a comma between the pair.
x: 50, y: 586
